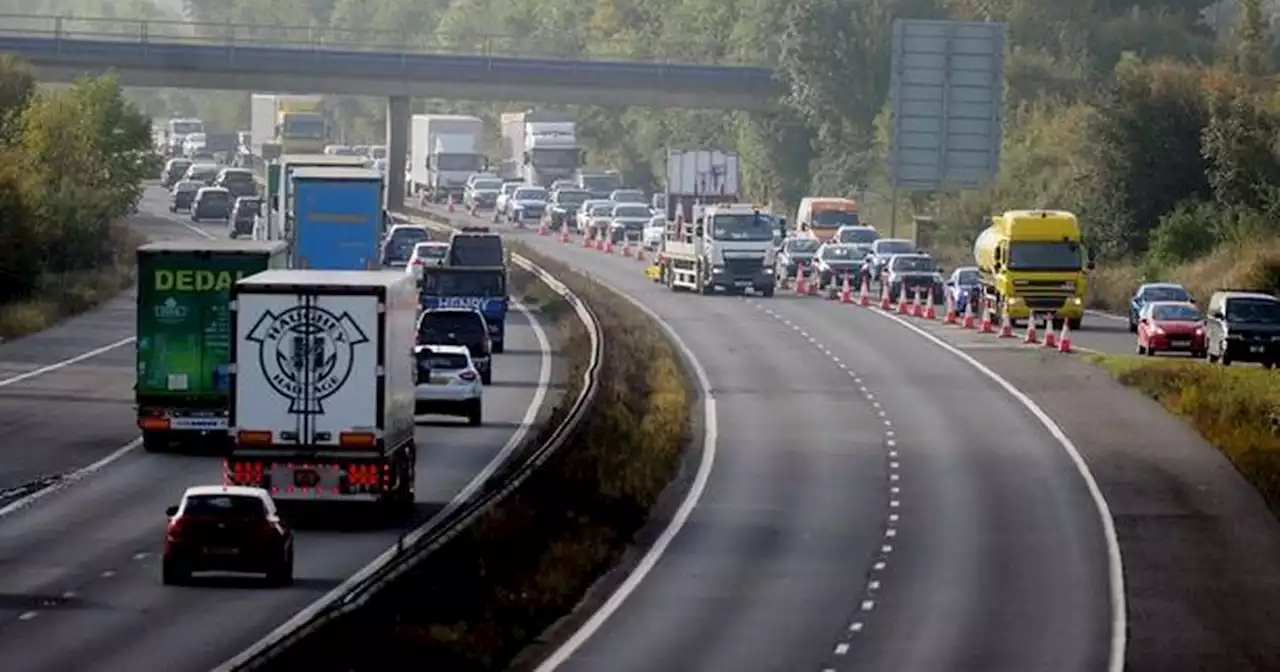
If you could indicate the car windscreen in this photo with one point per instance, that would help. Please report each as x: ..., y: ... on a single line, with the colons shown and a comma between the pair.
x: 249, y: 207
x: 840, y: 253
x: 858, y: 236
x: 1253, y: 311
x: 628, y: 196
x: 600, y: 183
x: 436, y: 327
x: 486, y: 185
x: 224, y: 507
x: 406, y: 237
x: 834, y: 219
x: 237, y: 177
x: 484, y: 250
x: 445, y: 281
x: 893, y: 247
x: 179, y: 166
x: 445, y: 361
x: 510, y: 187
x: 741, y: 227
x: 803, y: 246
x: 967, y: 278
x: 190, y: 187
x: 601, y: 210
x: 214, y: 197
x: 914, y: 265
x: 430, y: 251
x: 1152, y: 294
x: 1175, y: 313
x: 530, y: 195
x: 566, y: 197
x: 632, y: 211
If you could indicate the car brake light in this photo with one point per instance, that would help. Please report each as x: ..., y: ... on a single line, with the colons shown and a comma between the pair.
x: 175, y: 527
x: 467, y: 376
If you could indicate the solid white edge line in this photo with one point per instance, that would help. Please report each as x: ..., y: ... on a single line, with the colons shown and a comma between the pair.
x: 1115, y: 564
x: 678, y: 521
x: 526, y: 424
x: 65, y: 363
x: 70, y: 479
x: 1106, y: 315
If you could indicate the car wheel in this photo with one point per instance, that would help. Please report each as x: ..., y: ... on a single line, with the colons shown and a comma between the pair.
x: 499, y: 347
x: 486, y: 377
x: 172, y: 574
x: 475, y: 414
x: 1133, y: 327
x: 282, y: 573
x: 1075, y: 323
x: 768, y: 292
x: 1269, y: 365
x: 194, y: 218
x: 1210, y: 357
x: 1139, y: 349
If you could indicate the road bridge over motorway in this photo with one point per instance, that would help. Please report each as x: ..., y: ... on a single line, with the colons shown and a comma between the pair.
x: 285, y: 59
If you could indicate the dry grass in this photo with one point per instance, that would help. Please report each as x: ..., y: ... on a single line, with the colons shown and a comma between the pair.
x: 1254, y: 267
x: 494, y: 588
x: 1236, y: 409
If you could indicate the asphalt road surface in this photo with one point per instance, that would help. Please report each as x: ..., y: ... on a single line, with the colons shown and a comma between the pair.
x: 875, y: 504
x: 79, y: 571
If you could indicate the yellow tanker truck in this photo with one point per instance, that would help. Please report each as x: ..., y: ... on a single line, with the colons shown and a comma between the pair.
x: 1031, y: 262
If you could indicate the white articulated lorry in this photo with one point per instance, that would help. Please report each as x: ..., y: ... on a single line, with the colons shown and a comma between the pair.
x: 446, y: 150
x: 539, y: 147
x: 322, y: 385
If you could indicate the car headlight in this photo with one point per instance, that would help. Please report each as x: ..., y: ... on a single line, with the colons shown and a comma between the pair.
x: 717, y: 269
x: 768, y: 270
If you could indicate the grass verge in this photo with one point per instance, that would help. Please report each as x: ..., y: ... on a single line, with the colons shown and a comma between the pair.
x: 1255, y: 266
x: 60, y: 296
x: 1236, y: 409
x: 497, y: 586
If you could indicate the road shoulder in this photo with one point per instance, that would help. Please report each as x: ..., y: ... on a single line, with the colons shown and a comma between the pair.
x: 1198, y: 542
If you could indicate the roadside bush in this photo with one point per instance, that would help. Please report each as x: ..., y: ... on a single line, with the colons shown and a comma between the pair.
x: 71, y: 167
x: 493, y: 589
x: 1236, y: 409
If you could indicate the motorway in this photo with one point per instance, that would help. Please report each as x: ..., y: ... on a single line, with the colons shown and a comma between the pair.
x: 79, y: 571
x: 861, y: 513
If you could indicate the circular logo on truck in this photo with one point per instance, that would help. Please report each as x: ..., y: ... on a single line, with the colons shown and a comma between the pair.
x: 306, y: 354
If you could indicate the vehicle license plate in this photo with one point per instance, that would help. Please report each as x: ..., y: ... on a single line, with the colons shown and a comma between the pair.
x: 306, y: 478
x: 221, y: 551
x: 1183, y: 343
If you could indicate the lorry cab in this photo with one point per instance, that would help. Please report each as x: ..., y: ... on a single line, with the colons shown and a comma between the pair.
x: 821, y: 217
x: 1032, y: 263
x: 728, y: 247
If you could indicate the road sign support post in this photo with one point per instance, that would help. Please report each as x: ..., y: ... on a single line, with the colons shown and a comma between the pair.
x: 946, y: 93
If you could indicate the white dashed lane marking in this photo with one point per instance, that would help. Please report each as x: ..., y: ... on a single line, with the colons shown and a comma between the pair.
x: 873, y: 585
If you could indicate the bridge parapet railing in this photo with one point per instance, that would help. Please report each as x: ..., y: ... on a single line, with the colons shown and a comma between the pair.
x: 315, y: 37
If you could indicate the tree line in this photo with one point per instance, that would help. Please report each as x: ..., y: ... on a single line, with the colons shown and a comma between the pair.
x: 1149, y: 118
x: 71, y: 167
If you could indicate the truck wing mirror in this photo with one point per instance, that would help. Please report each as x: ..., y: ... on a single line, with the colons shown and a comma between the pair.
x: 171, y: 511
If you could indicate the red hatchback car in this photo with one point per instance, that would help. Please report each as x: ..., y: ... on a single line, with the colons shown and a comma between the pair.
x: 1171, y: 326
x: 226, y: 529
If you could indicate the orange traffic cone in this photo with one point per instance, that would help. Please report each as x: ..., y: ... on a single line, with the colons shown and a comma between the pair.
x: 450, y: 202
x: 626, y: 250
x: 1050, y: 338
x: 885, y: 302
x: 813, y: 288
x: 864, y: 293
x: 951, y: 317
x: 904, y: 308
x: 930, y: 312
x: 846, y: 292
x: 917, y: 308
x: 608, y: 246
x: 985, y: 326
x: 1006, y: 326
x: 800, y: 282
x: 968, y: 318
x: 475, y: 209
x: 1030, y: 337
x: 1064, y: 343
x: 542, y: 228
x: 588, y: 241
x: 640, y: 254
x: 565, y: 236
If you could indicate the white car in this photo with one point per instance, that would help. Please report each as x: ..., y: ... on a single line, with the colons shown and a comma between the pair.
x: 597, y: 218
x: 583, y: 218
x: 627, y: 222
x: 447, y: 383
x: 654, y: 232
x: 430, y: 253
x: 629, y: 196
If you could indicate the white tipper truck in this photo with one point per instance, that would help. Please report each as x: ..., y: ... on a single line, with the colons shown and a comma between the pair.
x: 446, y: 150
x: 322, y: 385
x: 539, y: 147
x: 727, y: 247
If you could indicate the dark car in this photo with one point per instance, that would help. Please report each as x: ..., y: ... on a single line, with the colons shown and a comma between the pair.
x: 398, y: 245
x: 174, y: 169
x: 835, y: 262
x: 238, y: 181
x: 563, y: 207
x: 244, y: 214
x: 796, y: 254
x: 226, y: 529
x: 182, y: 194
x: 881, y: 252
x: 211, y: 203
x: 912, y: 274
x: 1243, y: 326
x: 459, y: 326
x: 476, y: 246
x: 1154, y: 291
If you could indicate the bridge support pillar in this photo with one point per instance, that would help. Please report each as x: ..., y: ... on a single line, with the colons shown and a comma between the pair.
x: 397, y: 148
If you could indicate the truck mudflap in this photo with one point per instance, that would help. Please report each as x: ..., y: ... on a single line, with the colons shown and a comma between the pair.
x: 327, y: 478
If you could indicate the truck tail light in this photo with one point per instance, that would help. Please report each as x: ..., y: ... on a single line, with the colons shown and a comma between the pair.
x: 357, y: 440
x: 253, y: 437
x: 153, y: 423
